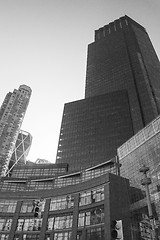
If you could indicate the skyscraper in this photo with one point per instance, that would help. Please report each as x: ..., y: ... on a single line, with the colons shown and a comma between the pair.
x: 122, y: 95
x: 122, y: 57
x: 11, y: 116
x: 21, y: 150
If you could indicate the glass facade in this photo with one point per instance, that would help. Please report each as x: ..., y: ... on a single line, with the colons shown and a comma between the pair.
x: 122, y: 57
x: 39, y: 170
x: 92, y: 129
x: 12, y: 186
x: 120, y: 96
x: 50, y: 182
x: 21, y: 150
x: 142, y: 149
x: 40, y: 185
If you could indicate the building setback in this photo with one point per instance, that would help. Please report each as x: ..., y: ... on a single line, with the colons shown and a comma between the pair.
x: 11, y: 116
x: 90, y: 124
x: 121, y: 64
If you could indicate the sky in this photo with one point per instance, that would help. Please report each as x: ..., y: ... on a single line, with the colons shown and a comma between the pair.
x: 43, y: 44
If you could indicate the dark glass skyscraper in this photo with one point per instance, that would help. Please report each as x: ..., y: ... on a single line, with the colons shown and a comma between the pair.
x: 122, y: 95
x: 122, y: 57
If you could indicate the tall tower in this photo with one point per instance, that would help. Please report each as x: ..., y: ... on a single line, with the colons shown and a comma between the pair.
x: 122, y: 95
x: 11, y: 116
x: 123, y: 57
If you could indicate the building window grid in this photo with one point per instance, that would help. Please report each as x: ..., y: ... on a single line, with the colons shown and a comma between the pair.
x: 62, y: 236
x: 147, y: 154
x: 8, y: 205
x: 97, y: 173
x: 137, y: 140
x: 29, y: 224
x: 91, y: 196
x: 10, y: 186
x: 28, y: 206
x: 91, y: 217
x: 86, y: 175
x: 34, y: 185
x: 95, y: 233
x: 60, y: 222
x: 63, y: 202
x: 62, y: 182
x: 37, y: 172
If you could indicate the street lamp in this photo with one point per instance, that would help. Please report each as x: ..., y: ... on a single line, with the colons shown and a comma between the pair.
x: 146, y: 181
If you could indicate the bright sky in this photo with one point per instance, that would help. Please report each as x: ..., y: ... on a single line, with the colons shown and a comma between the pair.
x: 43, y: 44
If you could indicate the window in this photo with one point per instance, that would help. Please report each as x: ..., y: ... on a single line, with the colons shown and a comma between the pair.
x: 60, y: 222
x: 29, y: 224
x: 79, y: 234
x: 11, y: 186
x: 5, y: 224
x: 8, y: 205
x: 28, y: 206
x: 95, y: 233
x: 62, y: 236
x: 50, y: 223
x: 16, y: 237
x: 30, y: 236
x: 47, y: 237
x: 91, y: 217
x: 63, y: 202
x: 34, y: 185
x: 91, y: 196
x: 4, y: 237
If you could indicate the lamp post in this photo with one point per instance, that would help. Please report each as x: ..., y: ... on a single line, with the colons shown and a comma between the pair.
x: 146, y: 181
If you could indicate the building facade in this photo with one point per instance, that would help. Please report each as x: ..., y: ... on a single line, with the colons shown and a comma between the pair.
x: 11, y: 116
x: 122, y: 95
x: 78, y: 206
x: 143, y: 149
